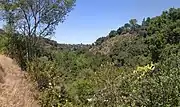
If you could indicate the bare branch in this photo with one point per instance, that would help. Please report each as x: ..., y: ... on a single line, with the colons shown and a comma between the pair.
x: 27, y: 21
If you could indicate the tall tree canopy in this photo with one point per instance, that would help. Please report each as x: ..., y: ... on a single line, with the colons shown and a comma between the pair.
x: 35, y: 17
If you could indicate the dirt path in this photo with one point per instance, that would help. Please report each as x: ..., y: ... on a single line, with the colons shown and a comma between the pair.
x: 16, y: 91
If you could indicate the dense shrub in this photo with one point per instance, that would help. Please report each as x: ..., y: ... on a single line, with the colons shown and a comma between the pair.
x: 3, y: 43
x: 141, y: 70
x: 130, y: 51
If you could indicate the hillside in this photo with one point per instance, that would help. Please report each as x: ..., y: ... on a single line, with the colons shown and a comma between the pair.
x: 135, y: 65
x: 51, y: 44
x: 47, y: 43
x: 106, y: 46
x: 15, y: 89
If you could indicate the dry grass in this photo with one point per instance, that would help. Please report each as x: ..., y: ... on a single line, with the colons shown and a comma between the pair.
x: 16, y: 90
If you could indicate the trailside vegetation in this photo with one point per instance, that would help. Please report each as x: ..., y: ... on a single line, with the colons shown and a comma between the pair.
x: 141, y: 68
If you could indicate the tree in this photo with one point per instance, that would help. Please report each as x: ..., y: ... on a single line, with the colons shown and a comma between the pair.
x: 133, y: 25
x: 143, y: 28
x: 100, y: 40
x: 146, y: 22
x: 127, y: 25
x: 120, y: 30
x: 113, y: 33
x: 35, y: 18
x: 126, y: 28
x: 133, y: 22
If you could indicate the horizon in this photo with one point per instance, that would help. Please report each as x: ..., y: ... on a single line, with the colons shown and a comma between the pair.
x: 90, y: 20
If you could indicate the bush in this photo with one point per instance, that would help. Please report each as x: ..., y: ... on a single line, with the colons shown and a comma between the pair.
x: 3, y: 44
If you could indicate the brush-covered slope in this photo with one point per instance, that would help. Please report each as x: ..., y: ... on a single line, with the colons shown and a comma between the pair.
x: 106, y: 46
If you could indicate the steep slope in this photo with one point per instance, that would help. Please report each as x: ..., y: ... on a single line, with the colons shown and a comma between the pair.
x: 107, y: 45
x: 15, y: 90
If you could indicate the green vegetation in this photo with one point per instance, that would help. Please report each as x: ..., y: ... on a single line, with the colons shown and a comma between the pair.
x: 140, y: 68
x: 3, y: 42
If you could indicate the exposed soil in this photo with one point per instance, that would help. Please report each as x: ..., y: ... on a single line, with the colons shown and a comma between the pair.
x: 15, y: 89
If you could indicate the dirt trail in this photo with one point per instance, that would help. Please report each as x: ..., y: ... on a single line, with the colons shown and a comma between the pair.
x: 16, y: 91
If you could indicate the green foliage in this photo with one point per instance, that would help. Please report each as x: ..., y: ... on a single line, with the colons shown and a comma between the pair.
x: 16, y: 49
x: 34, y: 19
x: 130, y: 51
x: 134, y: 26
x: 3, y: 43
x: 162, y: 87
x: 100, y: 40
x: 141, y: 70
x: 65, y: 72
x: 120, y: 30
x: 113, y: 33
x: 81, y: 90
x: 49, y: 81
x: 163, y: 30
x: 39, y: 16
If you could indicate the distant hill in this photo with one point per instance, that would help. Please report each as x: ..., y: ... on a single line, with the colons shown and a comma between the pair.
x: 51, y: 44
x: 48, y: 43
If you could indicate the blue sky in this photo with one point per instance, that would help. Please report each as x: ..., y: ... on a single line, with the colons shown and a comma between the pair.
x: 92, y: 19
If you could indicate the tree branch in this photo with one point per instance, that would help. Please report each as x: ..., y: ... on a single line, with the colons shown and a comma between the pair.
x: 27, y: 21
